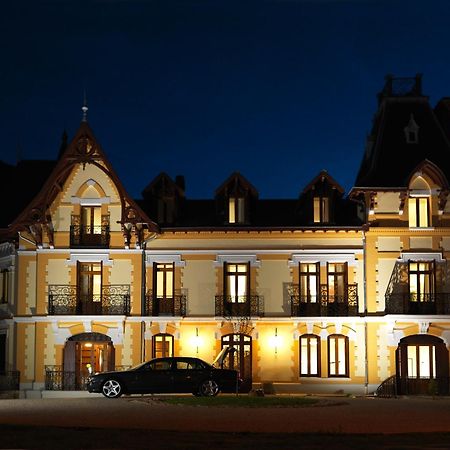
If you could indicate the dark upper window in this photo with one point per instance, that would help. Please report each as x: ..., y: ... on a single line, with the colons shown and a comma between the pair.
x: 4, y: 286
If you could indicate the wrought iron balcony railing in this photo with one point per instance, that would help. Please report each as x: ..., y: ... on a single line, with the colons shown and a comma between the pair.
x: 89, y: 236
x: 68, y: 300
x: 418, y: 304
x: 93, y: 236
x: 174, y: 305
x: 9, y: 380
x: 58, y: 379
x: 239, y: 305
x: 324, y: 304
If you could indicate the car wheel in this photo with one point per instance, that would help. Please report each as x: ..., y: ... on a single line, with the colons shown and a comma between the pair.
x: 112, y: 389
x: 209, y: 388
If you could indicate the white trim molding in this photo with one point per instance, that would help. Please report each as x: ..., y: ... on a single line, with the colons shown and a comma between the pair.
x: 323, y: 257
x: 236, y: 258
x: 89, y: 257
x: 90, y: 201
x: 419, y: 256
x: 152, y: 258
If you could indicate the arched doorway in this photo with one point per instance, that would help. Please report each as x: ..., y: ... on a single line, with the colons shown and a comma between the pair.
x: 422, y: 366
x: 241, y: 358
x: 86, y: 353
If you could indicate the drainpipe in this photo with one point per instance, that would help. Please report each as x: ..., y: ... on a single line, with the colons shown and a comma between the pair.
x: 143, y: 291
x: 366, y: 359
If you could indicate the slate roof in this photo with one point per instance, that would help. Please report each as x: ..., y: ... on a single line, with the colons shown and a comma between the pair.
x: 389, y: 159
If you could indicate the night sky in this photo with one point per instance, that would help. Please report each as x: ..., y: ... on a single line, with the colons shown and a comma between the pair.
x: 275, y: 89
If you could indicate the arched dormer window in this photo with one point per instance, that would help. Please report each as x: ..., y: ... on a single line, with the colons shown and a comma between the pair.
x: 90, y: 221
x: 419, y: 203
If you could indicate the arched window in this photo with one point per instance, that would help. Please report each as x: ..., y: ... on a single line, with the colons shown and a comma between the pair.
x: 162, y: 345
x: 309, y: 355
x: 419, y: 203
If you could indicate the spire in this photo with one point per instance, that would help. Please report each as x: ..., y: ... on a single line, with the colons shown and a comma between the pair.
x: 84, y: 108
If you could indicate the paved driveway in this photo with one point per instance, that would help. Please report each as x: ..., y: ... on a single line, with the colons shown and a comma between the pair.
x: 331, y: 415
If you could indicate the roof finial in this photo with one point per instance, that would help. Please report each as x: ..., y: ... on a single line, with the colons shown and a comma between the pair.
x: 84, y: 108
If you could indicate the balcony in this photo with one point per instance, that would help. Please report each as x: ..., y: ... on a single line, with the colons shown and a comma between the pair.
x: 239, y: 305
x: 89, y: 236
x: 68, y: 300
x: 167, y: 306
x: 325, y: 304
x: 415, y: 304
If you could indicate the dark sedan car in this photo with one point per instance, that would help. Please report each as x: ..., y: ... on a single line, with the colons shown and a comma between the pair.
x: 166, y: 375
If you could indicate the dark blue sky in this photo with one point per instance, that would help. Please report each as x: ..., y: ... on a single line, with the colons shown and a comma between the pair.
x: 275, y: 89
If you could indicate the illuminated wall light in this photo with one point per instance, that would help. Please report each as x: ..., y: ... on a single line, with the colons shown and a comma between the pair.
x: 88, y: 345
x: 275, y: 341
x: 196, y: 340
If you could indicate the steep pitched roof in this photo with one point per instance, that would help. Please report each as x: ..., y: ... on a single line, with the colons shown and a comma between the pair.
x: 83, y: 149
x: 390, y: 156
x: 321, y: 177
x: 234, y: 182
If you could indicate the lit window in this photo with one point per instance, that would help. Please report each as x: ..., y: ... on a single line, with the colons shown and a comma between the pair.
x: 337, y: 282
x: 236, y: 282
x: 321, y: 210
x: 418, y: 212
x: 164, y: 280
x: 421, y: 361
x: 309, y: 355
x: 91, y: 219
x: 421, y: 281
x: 236, y: 210
x: 162, y: 345
x: 309, y: 282
x: 337, y: 356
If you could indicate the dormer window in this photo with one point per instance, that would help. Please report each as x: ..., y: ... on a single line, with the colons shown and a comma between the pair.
x: 321, y: 209
x: 411, y: 131
x: 166, y: 210
x: 419, y: 212
x: 236, y: 210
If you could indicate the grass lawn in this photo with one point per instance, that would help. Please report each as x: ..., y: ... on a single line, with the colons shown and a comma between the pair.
x: 246, y: 401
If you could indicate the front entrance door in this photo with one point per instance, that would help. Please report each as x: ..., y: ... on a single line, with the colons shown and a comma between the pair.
x: 422, y: 366
x: 241, y: 358
x: 84, y: 354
